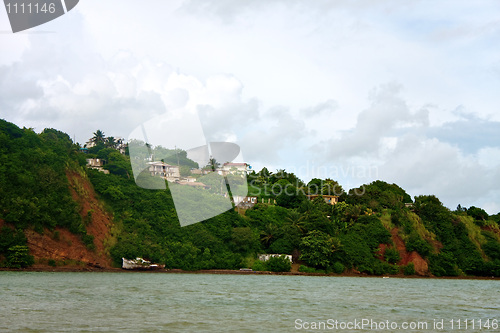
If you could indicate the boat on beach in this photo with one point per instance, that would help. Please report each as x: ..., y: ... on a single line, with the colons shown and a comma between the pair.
x: 139, y: 264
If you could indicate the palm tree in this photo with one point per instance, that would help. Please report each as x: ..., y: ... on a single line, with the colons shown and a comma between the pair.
x: 268, y: 234
x: 111, y: 142
x: 296, y: 220
x: 98, y: 137
x: 213, y: 164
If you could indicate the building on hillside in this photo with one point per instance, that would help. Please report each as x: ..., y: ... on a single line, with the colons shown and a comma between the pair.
x: 97, y: 164
x: 164, y: 170
x: 89, y: 144
x: 244, y: 201
x: 196, y: 171
x: 266, y: 257
x: 234, y: 168
x: 121, y: 145
x: 329, y: 199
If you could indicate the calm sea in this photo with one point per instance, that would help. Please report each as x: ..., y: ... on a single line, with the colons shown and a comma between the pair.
x: 142, y: 302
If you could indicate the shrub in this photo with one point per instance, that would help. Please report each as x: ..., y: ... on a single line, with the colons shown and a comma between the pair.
x: 392, y: 255
x: 416, y: 243
x: 305, y: 269
x: 88, y: 240
x: 18, y: 257
x: 492, y: 249
x: 258, y: 266
x: 365, y: 269
x: 409, y: 269
x: 443, y: 264
x: 278, y: 264
x: 52, y: 262
x: 380, y: 268
x: 338, y: 268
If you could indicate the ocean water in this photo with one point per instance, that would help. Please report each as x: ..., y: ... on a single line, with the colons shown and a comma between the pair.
x: 151, y: 302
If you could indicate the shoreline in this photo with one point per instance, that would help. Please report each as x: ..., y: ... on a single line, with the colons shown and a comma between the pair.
x: 77, y: 269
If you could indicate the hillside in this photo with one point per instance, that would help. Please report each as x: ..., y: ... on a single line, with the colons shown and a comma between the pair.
x: 56, y: 211
x: 47, y: 203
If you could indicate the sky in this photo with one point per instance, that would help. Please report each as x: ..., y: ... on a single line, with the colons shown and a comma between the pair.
x: 402, y: 91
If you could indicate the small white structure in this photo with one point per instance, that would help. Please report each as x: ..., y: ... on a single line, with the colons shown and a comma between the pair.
x: 139, y: 263
x: 266, y: 257
x: 244, y: 201
x: 97, y: 164
x: 238, y: 168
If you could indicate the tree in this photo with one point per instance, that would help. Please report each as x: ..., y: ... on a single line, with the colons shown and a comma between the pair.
x: 243, y: 239
x: 269, y: 234
x: 18, y: 257
x: 477, y: 213
x: 314, y: 186
x: 98, y: 137
x: 110, y: 142
x: 317, y: 248
x: 264, y: 175
x: 331, y: 187
x: 392, y: 255
x: 212, y: 164
x: 288, y: 196
x: 295, y: 220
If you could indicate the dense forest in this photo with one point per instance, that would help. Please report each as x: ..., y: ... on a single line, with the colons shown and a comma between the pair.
x: 375, y: 229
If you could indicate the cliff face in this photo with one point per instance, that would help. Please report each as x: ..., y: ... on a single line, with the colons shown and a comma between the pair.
x: 406, y: 257
x: 66, y: 248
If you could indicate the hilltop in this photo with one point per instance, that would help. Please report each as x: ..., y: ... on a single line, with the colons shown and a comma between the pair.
x: 56, y: 211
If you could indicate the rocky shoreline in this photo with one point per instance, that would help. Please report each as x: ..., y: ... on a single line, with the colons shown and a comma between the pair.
x: 42, y: 268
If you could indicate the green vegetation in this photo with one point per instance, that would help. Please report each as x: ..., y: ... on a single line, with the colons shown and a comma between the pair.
x: 409, y: 269
x: 274, y: 264
x: 34, y: 191
x: 347, y: 236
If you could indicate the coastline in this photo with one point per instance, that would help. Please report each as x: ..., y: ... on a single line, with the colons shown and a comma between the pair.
x: 40, y: 268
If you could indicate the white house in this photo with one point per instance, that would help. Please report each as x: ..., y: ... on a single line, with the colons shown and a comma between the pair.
x: 266, y: 257
x: 164, y: 170
x: 240, y: 168
x: 96, y: 163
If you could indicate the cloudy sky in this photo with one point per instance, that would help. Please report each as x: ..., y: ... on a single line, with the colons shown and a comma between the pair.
x: 403, y: 91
